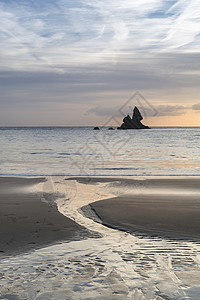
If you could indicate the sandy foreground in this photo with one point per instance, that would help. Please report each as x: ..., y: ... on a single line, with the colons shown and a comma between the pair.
x: 155, y: 207
x: 95, y: 261
x: 27, y: 222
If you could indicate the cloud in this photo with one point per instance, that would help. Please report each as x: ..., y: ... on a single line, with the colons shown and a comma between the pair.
x: 161, y: 110
x: 171, y: 110
x: 64, y: 34
x: 185, y: 26
x: 97, y: 53
x: 196, y: 106
x: 105, y: 111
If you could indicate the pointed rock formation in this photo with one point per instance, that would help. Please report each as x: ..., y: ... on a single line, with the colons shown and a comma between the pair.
x: 135, y: 122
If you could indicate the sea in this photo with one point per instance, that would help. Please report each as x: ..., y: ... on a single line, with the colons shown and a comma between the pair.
x: 113, y: 264
x: 82, y: 151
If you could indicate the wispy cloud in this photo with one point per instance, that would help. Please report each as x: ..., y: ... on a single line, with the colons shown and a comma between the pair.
x: 185, y: 27
x: 64, y: 34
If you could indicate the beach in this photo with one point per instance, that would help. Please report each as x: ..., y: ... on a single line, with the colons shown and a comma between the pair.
x: 31, y: 219
x: 100, y: 238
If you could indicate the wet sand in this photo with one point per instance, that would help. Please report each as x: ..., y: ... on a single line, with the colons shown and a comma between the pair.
x: 161, y: 207
x: 153, y: 215
x: 156, y: 207
x: 28, y: 223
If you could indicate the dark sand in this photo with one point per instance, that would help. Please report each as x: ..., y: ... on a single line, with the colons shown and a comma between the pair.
x: 161, y: 214
x: 28, y: 223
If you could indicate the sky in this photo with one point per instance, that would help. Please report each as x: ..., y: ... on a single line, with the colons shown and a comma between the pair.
x: 80, y: 62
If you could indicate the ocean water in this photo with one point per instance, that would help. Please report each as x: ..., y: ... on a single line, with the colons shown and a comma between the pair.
x: 81, y: 151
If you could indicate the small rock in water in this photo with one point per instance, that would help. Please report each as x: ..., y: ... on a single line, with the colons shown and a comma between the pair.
x: 96, y: 128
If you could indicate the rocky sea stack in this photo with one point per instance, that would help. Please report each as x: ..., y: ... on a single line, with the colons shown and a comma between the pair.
x: 134, y: 122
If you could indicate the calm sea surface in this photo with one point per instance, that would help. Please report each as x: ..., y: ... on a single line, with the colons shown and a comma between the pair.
x: 81, y: 151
